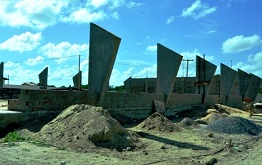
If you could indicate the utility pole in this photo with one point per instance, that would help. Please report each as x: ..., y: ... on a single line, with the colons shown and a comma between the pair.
x: 79, y: 76
x: 187, y: 61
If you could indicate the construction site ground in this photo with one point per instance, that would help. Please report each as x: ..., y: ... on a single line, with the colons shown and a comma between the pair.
x: 185, y: 144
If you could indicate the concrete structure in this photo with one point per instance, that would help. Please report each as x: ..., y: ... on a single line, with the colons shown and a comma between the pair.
x: 227, y: 80
x: 147, y: 85
x: 1, y: 74
x: 204, y: 75
x: 43, y: 78
x: 244, y: 80
x: 168, y: 63
x: 102, y: 54
x: 254, y: 86
x: 77, y: 79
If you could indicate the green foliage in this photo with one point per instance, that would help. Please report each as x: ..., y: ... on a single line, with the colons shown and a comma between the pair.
x: 14, y: 137
x: 84, y: 86
x: 120, y: 88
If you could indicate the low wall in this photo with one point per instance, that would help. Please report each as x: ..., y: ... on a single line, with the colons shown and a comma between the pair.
x: 51, y: 100
x: 120, y: 104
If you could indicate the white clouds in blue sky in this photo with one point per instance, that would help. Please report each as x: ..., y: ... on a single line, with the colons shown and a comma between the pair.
x: 240, y: 43
x: 23, y: 42
x: 198, y: 10
x: 40, y: 33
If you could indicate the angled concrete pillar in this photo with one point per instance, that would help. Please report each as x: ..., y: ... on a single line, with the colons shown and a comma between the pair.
x: 43, y: 78
x: 77, y: 79
x: 168, y: 63
x: 204, y: 75
x: 228, y: 79
x: 1, y: 74
x: 254, y: 86
x: 103, y: 48
x: 243, y: 83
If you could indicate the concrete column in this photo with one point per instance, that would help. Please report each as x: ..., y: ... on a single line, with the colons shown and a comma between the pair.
x: 77, y: 79
x: 168, y: 63
x: 204, y: 75
x: 253, y: 87
x: 43, y: 78
x: 244, y: 81
x: 103, y: 48
x: 227, y: 80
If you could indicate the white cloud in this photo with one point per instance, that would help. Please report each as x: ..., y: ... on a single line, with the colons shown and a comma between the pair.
x: 34, y: 61
x: 211, y: 31
x: 152, y: 48
x: 198, y: 10
x: 97, y: 3
x: 170, y: 20
x: 187, y: 55
x: 30, y: 13
x: 133, y: 4
x: 240, y: 43
x: 23, y: 42
x: 64, y: 50
x: 84, y: 16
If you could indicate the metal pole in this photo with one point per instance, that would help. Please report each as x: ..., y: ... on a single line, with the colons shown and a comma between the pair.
x: 79, y: 77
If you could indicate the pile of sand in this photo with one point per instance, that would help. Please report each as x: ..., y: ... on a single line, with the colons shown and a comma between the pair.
x: 81, y: 127
x: 158, y: 122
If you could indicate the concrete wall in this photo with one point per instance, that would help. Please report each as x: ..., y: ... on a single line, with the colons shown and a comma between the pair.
x: 227, y: 79
x: 33, y: 100
x: 235, y: 101
x: 243, y: 81
x: 254, y: 86
x: 204, y: 73
x: 168, y: 63
x: 43, y: 78
x: 102, y: 54
x: 184, y: 99
x: 124, y: 100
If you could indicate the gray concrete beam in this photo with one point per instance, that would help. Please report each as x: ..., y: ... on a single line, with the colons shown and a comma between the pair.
x: 168, y: 63
x: 228, y: 79
x: 204, y: 73
x: 253, y: 87
x: 43, y: 78
x: 77, y: 80
x: 243, y: 83
x: 103, y: 48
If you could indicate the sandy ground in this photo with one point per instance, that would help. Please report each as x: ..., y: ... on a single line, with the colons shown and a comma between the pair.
x: 190, y: 145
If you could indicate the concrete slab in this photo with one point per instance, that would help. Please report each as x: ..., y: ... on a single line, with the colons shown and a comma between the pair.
x: 243, y: 81
x: 168, y: 63
x: 254, y: 86
x: 77, y: 79
x: 102, y: 54
x: 227, y: 80
x: 43, y: 78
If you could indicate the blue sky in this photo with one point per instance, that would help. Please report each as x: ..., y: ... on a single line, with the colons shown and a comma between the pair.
x: 35, y: 34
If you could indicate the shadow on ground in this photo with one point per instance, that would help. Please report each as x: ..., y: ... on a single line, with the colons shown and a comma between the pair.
x: 184, y: 145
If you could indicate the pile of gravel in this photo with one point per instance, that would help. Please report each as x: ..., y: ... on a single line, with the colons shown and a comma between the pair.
x: 234, y: 125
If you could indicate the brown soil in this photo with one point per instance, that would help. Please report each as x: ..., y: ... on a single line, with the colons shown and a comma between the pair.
x: 83, y: 134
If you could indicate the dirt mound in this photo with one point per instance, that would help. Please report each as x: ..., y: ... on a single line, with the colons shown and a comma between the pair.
x: 186, y: 122
x: 158, y: 122
x: 211, y: 117
x: 81, y: 127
